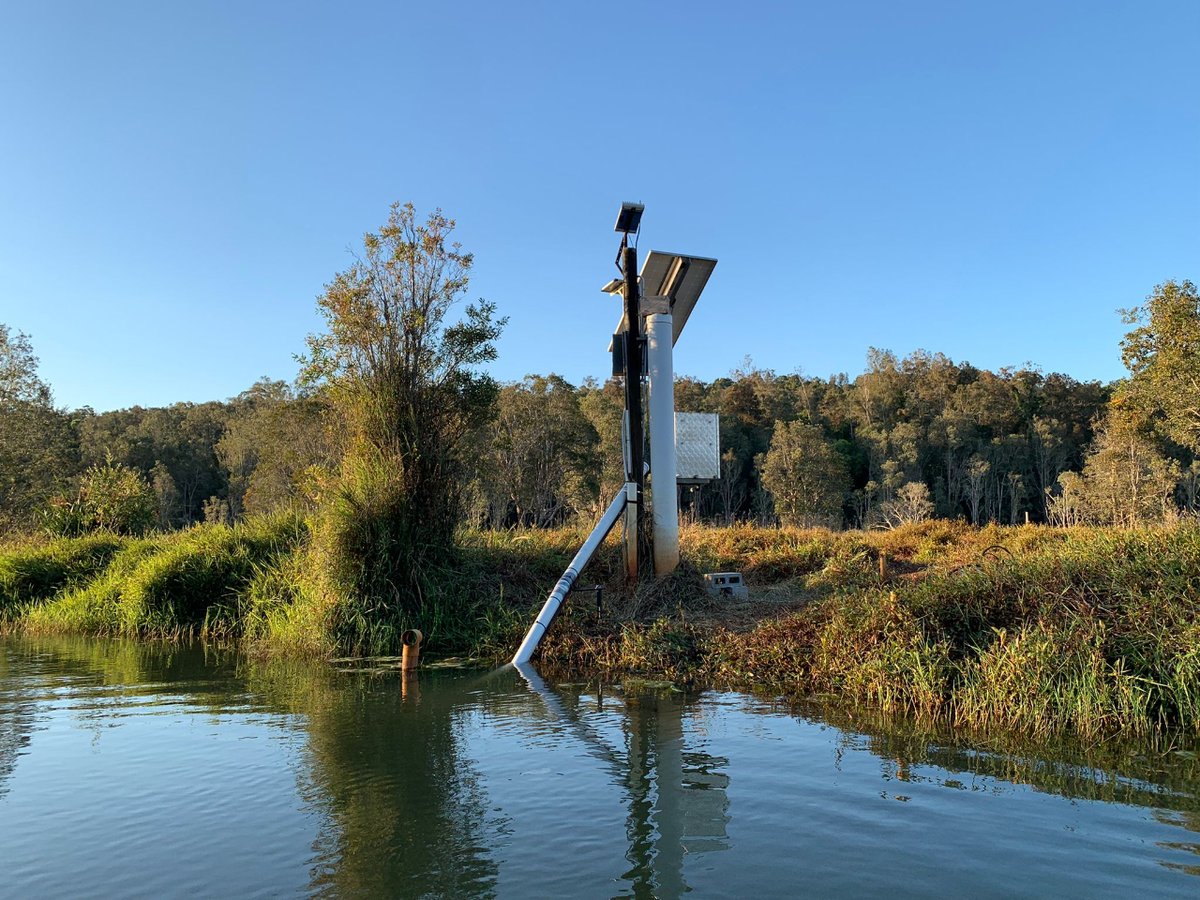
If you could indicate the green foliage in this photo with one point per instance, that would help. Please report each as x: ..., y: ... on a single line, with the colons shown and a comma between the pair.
x: 38, y: 451
x: 274, y: 437
x: 116, y: 498
x: 111, y: 497
x: 38, y: 572
x: 541, y: 462
x: 1163, y: 357
x: 181, y: 583
x: 176, y: 442
x: 405, y: 382
x: 1126, y: 481
x: 806, y: 476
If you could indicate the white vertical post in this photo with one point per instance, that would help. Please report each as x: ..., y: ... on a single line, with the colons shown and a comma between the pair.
x: 663, y: 492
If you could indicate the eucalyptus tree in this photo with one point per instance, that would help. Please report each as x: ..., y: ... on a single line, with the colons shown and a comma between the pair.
x: 1162, y: 354
x: 404, y: 380
x: 806, y: 477
x: 38, y: 451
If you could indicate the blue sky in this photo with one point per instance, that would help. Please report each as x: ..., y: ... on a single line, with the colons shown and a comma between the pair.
x: 991, y: 181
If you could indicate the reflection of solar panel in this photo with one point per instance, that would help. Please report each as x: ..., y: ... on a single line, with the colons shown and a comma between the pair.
x: 677, y: 277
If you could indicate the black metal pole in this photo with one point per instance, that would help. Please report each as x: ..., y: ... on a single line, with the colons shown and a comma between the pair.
x: 633, y: 368
x: 633, y: 401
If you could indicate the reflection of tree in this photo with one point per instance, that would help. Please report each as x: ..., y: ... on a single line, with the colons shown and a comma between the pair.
x: 16, y: 717
x: 405, y: 812
x: 1153, y: 773
x: 34, y: 667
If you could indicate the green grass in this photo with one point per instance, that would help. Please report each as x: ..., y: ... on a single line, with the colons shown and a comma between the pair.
x: 35, y: 572
x: 1031, y: 629
x: 194, y: 581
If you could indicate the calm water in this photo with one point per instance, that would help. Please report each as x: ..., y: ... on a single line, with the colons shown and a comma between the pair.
x: 128, y: 770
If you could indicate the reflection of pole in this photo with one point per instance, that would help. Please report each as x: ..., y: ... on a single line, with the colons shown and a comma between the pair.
x: 668, y: 812
x: 655, y: 826
x: 633, y: 388
x: 659, y: 334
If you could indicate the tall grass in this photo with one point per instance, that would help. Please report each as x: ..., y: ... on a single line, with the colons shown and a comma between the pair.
x: 1029, y: 628
x: 36, y: 571
x: 192, y: 581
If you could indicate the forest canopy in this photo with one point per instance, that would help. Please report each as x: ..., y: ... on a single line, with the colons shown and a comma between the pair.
x: 909, y: 438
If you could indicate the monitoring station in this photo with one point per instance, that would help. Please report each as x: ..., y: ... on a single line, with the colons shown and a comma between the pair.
x: 658, y: 303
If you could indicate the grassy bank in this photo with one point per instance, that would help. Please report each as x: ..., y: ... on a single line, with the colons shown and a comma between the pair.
x: 1029, y: 628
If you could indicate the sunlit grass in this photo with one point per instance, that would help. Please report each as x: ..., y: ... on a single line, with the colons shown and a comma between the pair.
x: 1028, y: 628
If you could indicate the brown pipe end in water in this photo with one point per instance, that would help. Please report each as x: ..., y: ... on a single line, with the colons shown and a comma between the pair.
x: 411, y: 640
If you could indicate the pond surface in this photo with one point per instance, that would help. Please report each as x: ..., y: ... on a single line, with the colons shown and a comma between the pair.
x: 134, y: 770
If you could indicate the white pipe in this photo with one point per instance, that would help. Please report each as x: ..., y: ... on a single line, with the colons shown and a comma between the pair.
x: 663, y: 491
x: 550, y: 607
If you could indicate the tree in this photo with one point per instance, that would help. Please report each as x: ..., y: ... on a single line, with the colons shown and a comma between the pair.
x: 405, y: 383
x: 111, y: 497
x: 1125, y: 481
x: 977, y: 472
x: 806, y: 477
x: 604, y: 408
x: 167, y: 495
x: 910, y: 504
x: 1163, y: 357
x: 542, y: 465
x: 38, y: 451
x: 275, y: 437
x: 182, y: 438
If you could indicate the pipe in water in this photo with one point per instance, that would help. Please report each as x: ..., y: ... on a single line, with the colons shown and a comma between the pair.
x: 411, y: 654
x: 663, y: 492
x: 554, y: 601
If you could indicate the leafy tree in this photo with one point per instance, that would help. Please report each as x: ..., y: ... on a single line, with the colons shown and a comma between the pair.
x: 38, y: 451
x: 273, y: 440
x: 805, y: 475
x: 182, y: 438
x: 604, y: 408
x: 404, y: 381
x: 167, y: 496
x: 1163, y: 357
x: 1125, y: 481
x: 542, y: 463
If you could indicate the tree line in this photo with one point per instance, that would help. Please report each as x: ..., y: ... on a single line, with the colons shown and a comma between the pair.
x: 910, y: 438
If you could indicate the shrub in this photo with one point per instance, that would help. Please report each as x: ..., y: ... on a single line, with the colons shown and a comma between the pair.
x: 112, y: 497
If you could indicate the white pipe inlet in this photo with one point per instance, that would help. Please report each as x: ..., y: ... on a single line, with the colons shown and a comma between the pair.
x: 563, y: 587
x: 663, y: 491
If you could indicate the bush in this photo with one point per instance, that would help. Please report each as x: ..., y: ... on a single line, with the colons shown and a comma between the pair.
x: 112, y: 497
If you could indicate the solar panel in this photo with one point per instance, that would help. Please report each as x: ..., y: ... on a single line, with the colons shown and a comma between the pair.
x: 677, y: 277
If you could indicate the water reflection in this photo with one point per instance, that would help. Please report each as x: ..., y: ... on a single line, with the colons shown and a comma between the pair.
x: 1161, y: 773
x: 439, y: 785
x: 16, y: 720
x: 675, y: 795
x: 404, y: 808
